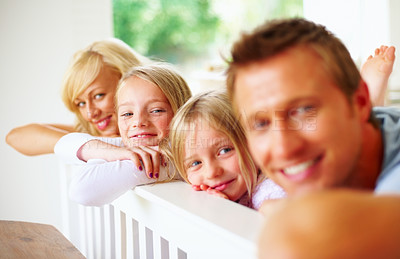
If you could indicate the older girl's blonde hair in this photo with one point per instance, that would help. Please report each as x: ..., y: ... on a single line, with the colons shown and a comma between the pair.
x: 165, y: 77
x: 213, y: 106
x: 85, y: 67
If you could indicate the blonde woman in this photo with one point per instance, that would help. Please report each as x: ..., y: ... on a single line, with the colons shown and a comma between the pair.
x: 88, y: 90
x: 147, y: 98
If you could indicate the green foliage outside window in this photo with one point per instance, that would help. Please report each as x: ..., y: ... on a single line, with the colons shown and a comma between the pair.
x: 166, y: 29
x: 180, y: 31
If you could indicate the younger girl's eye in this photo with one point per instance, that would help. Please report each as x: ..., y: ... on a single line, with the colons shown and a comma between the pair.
x: 225, y: 150
x: 194, y: 163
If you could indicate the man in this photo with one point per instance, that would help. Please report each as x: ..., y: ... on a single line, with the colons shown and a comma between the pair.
x: 310, y: 127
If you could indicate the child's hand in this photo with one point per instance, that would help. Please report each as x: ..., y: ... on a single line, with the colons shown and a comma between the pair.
x: 217, y: 193
x: 151, y: 159
x: 201, y: 187
x: 196, y: 187
x: 209, y: 190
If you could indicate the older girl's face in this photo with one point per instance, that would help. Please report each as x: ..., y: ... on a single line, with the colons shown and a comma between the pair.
x: 96, y: 103
x: 144, y: 113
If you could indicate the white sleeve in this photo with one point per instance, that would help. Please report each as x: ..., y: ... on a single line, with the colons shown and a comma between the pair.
x: 99, y: 182
x: 67, y: 146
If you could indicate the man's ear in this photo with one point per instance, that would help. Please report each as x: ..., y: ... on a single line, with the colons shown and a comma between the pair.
x: 362, y: 101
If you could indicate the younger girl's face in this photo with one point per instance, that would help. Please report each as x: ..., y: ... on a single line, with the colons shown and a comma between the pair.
x: 211, y: 159
x: 96, y: 103
x: 144, y: 113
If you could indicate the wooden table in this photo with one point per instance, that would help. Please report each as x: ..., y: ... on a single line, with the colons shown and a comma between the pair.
x: 33, y: 240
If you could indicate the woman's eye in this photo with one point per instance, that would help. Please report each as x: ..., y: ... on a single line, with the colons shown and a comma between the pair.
x: 98, y: 96
x: 225, y: 150
x: 80, y: 104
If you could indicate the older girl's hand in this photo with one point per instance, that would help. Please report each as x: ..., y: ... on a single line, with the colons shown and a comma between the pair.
x: 144, y: 158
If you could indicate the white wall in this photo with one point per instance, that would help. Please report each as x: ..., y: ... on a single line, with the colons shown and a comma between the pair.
x: 38, y: 37
x: 362, y: 25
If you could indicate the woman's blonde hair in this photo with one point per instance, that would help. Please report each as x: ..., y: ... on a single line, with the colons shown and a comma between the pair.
x: 165, y: 77
x: 85, y: 67
x: 215, y: 108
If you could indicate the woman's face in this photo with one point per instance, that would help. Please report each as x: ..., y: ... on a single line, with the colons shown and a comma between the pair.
x: 144, y: 113
x: 96, y: 103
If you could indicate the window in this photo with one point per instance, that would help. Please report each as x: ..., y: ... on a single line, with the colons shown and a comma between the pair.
x: 193, y: 34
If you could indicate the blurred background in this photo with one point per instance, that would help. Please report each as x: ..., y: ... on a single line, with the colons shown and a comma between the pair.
x: 38, y: 38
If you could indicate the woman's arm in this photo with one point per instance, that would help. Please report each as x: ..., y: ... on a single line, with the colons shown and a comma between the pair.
x: 36, y: 139
x: 100, y: 182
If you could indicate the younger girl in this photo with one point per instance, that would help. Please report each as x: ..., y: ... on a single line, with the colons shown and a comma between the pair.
x: 147, y: 98
x: 208, y: 148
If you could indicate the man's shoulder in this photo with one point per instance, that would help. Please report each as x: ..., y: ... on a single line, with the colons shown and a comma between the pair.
x: 389, y: 120
x: 392, y: 112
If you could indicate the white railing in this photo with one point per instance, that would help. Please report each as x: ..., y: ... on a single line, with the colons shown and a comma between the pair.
x: 167, y: 220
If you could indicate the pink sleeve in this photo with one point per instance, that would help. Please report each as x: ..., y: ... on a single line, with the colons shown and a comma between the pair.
x: 266, y: 190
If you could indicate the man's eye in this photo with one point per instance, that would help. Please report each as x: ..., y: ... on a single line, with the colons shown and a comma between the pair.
x: 303, y: 110
x: 260, y: 124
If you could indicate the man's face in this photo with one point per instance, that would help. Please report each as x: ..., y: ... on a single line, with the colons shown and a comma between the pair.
x: 301, y: 129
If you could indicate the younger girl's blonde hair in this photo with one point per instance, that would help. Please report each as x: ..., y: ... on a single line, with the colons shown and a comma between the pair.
x: 165, y: 77
x: 215, y: 108
x: 85, y: 67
